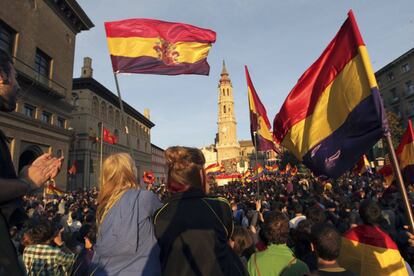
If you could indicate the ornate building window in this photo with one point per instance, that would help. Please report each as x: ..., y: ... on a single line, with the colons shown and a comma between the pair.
x: 95, y: 106
x: 103, y: 111
x: 224, y: 109
x: 111, y: 115
x: 7, y: 35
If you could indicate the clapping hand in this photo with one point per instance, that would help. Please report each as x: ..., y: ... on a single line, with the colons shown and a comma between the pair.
x: 45, y: 167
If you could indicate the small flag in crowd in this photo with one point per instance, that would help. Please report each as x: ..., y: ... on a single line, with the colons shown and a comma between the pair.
x: 294, y: 171
x: 148, y: 177
x: 51, y: 189
x: 259, y: 123
x: 149, y: 46
x: 362, y: 166
x: 405, y: 154
x: 334, y: 113
x: 258, y: 170
x: 72, y: 169
x: 367, y: 250
x: 109, y: 137
x: 387, y: 172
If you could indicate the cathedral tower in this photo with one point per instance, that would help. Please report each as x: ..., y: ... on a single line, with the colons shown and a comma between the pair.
x: 227, y: 145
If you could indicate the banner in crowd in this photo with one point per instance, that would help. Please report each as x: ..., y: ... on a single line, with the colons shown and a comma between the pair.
x: 148, y: 177
x: 334, y: 114
x: 259, y: 123
x: 72, y: 170
x: 149, y: 46
x: 214, y: 168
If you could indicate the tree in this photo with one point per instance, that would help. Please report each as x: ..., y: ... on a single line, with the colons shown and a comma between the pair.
x: 395, y: 126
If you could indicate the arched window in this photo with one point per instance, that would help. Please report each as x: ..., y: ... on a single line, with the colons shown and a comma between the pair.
x: 111, y: 115
x: 224, y: 109
x: 228, y: 92
x: 117, y: 119
x: 138, y: 144
x: 224, y: 92
x: 103, y: 111
x: 95, y: 106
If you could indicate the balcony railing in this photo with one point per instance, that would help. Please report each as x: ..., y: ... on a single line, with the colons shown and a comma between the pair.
x: 52, y: 87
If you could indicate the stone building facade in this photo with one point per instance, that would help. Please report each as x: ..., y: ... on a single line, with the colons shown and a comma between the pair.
x: 158, y: 164
x: 96, y: 105
x: 396, y: 84
x: 40, y: 36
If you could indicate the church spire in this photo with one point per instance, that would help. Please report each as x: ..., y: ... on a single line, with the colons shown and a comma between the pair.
x: 224, y: 70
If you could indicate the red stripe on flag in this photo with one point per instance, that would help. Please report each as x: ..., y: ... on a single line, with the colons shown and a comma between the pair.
x: 171, y: 31
x: 303, y: 98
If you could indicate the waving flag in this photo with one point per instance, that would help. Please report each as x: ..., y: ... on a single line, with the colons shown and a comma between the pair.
x: 405, y: 154
x: 367, y: 250
x: 214, y: 168
x: 334, y: 113
x: 149, y: 46
x: 363, y: 166
x: 259, y: 123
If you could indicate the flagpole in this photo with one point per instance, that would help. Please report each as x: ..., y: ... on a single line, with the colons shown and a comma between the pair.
x: 101, y: 155
x: 121, y: 105
x: 257, y: 163
x: 400, y: 181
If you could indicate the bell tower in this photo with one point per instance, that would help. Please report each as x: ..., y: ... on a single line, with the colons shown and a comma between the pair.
x: 227, y: 145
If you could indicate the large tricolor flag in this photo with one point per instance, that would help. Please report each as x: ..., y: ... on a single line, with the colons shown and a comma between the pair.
x: 405, y: 154
x: 367, y: 250
x: 259, y: 123
x: 149, y: 46
x: 334, y: 114
x: 214, y: 168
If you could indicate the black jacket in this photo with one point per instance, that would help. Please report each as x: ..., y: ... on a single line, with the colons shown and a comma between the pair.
x: 193, y: 230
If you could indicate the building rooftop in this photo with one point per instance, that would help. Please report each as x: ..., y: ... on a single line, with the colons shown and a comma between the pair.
x: 105, y: 93
x: 395, y: 62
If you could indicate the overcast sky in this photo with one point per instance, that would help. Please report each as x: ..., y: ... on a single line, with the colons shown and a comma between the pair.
x: 278, y: 40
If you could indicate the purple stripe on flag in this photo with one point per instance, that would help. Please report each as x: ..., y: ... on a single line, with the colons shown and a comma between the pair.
x: 408, y: 174
x: 337, y: 153
x: 150, y: 65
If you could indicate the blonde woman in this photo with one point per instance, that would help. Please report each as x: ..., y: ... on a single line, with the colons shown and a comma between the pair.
x: 125, y: 243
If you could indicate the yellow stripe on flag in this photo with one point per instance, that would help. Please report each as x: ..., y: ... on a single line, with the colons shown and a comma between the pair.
x: 333, y: 107
x: 406, y: 157
x: 188, y: 52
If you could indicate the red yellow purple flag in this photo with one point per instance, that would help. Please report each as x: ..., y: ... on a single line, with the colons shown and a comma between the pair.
x: 149, y: 46
x: 367, y: 250
x: 362, y: 166
x: 334, y: 114
x: 259, y: 123
x: 405, y: 154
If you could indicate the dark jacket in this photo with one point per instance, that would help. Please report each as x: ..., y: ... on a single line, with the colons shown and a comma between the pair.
x: 193, y: 230
x: 8, y: 256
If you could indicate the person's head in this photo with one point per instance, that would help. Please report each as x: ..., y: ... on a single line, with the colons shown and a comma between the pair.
x: 370, y: 212
x: 316, y: 215
x: 326, y: 241
x: 41, y: 232
x: 276, y: 228
x: 185, y: 169
x: 240, y: 240
x: 297, y: 208
x: 118, y: 175
x: 8, y: 83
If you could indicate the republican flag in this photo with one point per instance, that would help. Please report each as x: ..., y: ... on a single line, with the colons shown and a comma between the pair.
x: 214, y: 168
x: 367, y: 250
x: 405, y: 154
x: 259, y: 123
x: 149, y: 46
x: 53, y: 190
x: 362, y: 166
x: 334, y: 114
x: 387, y: 171
x: 294, y: 171
x: 258, y: 169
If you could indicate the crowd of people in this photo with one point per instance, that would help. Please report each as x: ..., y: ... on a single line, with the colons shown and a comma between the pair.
x: 276, y: 225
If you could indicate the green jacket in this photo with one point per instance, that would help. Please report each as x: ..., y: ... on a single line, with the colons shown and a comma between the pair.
x: 276, y: 260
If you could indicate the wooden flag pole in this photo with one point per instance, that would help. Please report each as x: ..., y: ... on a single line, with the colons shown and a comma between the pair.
x: 400, y: 181
x: 123, y: 120
x: 257, y: 164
